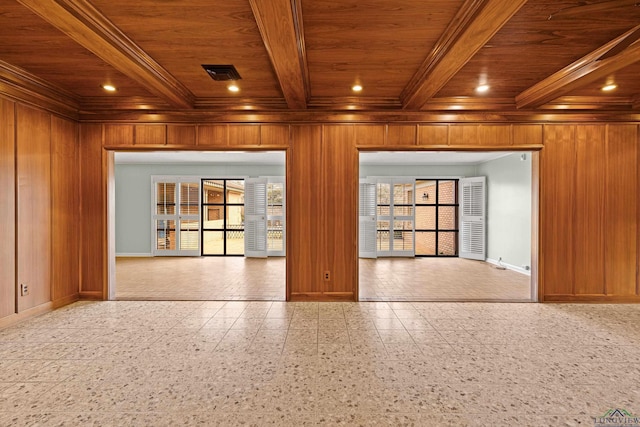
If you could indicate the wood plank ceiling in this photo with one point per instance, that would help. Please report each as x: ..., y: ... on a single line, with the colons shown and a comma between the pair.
x: 295, y: 55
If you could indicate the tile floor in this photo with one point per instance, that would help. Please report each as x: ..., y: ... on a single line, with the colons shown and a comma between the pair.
x: 384, y: 279
x: 162, y: 363
x: 201, y: 278
x: 439, y: 279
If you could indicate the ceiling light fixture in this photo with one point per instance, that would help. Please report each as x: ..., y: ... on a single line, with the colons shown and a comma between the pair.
x: 482, y: 88
x: 356, y: 88
x: 233, y: 88
x: 109, y: 88
x: 609, y: 87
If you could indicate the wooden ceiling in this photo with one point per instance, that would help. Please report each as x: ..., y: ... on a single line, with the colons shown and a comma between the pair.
x: 305, y: 55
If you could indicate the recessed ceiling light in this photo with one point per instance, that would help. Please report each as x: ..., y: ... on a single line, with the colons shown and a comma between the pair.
x: 109, y: 88
x: 482, y: 88
x: 356, y: 88
x: 233, y: 88
x: 609, y: 87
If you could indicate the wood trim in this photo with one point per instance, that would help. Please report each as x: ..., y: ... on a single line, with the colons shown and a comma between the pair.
x: 91, y: 296
x: 281, y: 30
x: 61, y: 302
x: 29, y: 89
x: 536, y: 258
x: 322, y: 296
x: 26, y: 314
x: 473, y: 26
x: 204, y: 118
x: 595, y: 298
x: 84, y: 24
x: 585, y: 70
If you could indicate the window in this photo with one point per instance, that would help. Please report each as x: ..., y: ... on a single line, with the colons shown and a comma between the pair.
x: 436, y: 217
x: 222, y: 217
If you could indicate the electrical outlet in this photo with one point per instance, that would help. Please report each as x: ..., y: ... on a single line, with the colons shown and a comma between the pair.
x: 24, y: 289
x: 327, y: 276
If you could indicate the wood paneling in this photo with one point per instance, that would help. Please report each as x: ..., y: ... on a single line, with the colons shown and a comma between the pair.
x: 463, y: 135
x: 274, y: 135
x: 244, y: 135
x: 304, y: 216
x: 620, y: 209
x: 214, y: 135
x: 527, y: 134
x: 7, y: 209
x: 33, y: 205
x: 65, y: 194
x: 494, y: 135
x: 401, y: 135
x: 369, y: 134
x: 118, y: 135
x: 181, y: 135
x: 93, y: 210
x: 339, y: 208
x: 557, y: 188
x: 436, y: 135
x: 588, y: 231
x: 150, y: 135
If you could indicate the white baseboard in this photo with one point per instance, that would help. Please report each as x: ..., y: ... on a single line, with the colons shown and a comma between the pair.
x: 509, y: 266
x: 137, y: 254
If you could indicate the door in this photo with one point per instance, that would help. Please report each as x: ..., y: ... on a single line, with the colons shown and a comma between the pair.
x: 473, y: 218
x: 367, y: 224
x: 176, y: 217
x: 276, y: 208
x: 395, y: 217
x: 255, y: 218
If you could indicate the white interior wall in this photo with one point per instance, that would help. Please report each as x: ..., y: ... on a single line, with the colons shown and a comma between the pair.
x: 133, y: 196
x: 508, y: 209
x: 508, y: 200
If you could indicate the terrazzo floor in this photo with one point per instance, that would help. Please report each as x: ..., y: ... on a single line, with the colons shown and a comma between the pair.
x: 162, y: 363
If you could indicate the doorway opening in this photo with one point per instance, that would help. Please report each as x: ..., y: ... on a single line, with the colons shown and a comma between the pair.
x: 197, y: 226
x: 447, y: 226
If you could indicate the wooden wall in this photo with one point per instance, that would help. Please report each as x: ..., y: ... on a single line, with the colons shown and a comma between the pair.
x: 322, y: 184
x: 589, y: 213
x: 589, y: 204
x: 39, y: 211
x: 7, y: 209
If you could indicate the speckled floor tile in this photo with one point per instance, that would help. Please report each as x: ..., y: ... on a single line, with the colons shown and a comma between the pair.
x: 281, y: 364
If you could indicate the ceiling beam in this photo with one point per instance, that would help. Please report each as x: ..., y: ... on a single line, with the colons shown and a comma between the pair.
x: 84, y: 24
x: 473, y: 26
x: 585, y: 70
x: 280, y: 24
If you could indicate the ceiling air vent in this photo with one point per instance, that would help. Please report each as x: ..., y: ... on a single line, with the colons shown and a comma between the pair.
x: 222, y: 72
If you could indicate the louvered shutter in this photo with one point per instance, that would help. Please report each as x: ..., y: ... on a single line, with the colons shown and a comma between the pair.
x: 473, y: 218
x: 367, y: 232
x: 255, y: 218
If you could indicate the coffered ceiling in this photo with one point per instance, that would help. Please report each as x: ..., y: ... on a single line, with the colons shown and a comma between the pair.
x: 306, y: 55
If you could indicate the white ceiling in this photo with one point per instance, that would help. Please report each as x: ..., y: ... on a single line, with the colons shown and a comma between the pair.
x: 278, y: 157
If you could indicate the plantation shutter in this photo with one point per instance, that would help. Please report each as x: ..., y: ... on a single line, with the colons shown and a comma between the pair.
x: 473, y: 218
x: 255, y: 218
x: 367, y: 233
